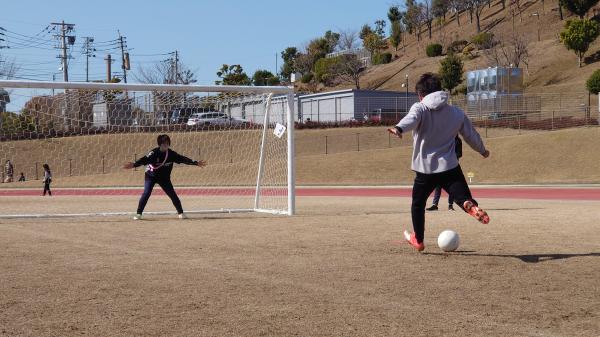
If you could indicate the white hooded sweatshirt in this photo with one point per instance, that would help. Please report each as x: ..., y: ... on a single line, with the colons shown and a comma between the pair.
x: 435, y: 124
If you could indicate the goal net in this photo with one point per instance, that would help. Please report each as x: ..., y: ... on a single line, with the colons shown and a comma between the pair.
x: 86, y: 132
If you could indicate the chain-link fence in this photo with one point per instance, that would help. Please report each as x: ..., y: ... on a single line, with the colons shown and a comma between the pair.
x: 499, y: 117
x: 531, y: 112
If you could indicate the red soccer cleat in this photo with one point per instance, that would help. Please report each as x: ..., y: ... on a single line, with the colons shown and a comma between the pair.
x: 412, y: 240
x: 476, y: 212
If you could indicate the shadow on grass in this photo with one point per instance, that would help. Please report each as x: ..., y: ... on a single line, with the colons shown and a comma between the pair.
x: 528, y: 258
x: 593, y: 58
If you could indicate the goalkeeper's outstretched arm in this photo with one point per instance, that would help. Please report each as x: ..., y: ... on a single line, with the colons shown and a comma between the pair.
x: 181, y: 159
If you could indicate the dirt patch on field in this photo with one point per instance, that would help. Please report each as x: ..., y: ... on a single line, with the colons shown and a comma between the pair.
x: 331, y: 271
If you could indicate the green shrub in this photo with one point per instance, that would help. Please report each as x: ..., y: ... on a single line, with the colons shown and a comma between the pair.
x: 324, y: 69
x: 451, y: 71
x: 306, y: 78
x: 434, y: 49
x: 483, y: 40
x: 593, y: 83
x: 457, y: 46
x: 382, y: 58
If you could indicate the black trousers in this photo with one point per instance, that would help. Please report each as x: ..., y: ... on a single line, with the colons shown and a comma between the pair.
x: 437, y: 194
x: 166, y: 185
x: 47, y: 188
x: 453, y: 182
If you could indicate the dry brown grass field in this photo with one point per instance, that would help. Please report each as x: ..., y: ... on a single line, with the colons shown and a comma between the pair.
x: 354, y: 156
x: 333, y: 270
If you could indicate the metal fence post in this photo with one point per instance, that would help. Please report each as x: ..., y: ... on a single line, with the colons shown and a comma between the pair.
x: 36, y: 171
x: 326, y: 150
x: 102, y: 164
x: 70, y: 167
x: 358, y: 142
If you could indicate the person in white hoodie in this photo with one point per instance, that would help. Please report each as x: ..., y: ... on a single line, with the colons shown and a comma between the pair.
x: 435, y: 124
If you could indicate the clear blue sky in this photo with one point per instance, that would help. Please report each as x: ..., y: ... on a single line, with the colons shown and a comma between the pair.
x: 206, y: 33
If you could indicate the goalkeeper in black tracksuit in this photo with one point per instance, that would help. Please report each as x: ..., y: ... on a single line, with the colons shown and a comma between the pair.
x: 159, y: 164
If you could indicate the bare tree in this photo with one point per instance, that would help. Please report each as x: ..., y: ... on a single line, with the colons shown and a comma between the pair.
x: 349, y: 69
x: 427, y: 15
x: 457, y: 6
x: 511, y: 51
x: 8, y: 68
x: 348, y: 39
x: 516, y: 7
x: 163, y: 72
x: 478, y: 6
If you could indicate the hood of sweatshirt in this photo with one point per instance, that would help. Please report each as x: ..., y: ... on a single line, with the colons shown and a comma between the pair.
x: 436, y: 100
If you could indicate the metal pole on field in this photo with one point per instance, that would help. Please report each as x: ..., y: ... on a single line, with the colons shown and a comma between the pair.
x: 358, y: 142
x: 291, y: 156
x: 36, y: 171
x: 70, y: 167
x: 325, y: 144
x: 102, y: 164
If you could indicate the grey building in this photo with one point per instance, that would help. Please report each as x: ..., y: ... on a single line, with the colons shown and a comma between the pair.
x: 353, y: 104
x: 328, y: 107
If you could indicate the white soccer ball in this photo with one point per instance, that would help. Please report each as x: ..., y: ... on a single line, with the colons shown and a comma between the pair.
x: 448, y: 240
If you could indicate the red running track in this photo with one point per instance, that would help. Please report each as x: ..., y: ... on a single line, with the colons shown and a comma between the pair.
x: 540, y: 193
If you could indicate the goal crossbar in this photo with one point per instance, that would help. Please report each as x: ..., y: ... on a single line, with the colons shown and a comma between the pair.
x: 145, y: 87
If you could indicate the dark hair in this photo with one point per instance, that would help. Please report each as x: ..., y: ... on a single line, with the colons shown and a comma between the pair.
x: 46, y: 167
x: 163, y: 139
x: 427, y: 84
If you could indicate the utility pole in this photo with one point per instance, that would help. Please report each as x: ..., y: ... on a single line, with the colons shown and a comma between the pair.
x: 124, y: 57
x: 88, y: 51
x: 64, y: 29
x: 108, y: 60
x: 176, y: 66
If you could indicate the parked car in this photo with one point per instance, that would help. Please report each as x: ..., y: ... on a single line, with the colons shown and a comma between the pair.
x: 181, y: 115
x: 213, y: 118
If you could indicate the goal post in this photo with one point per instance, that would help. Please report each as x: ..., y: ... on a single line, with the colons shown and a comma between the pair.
x: 85, y: 132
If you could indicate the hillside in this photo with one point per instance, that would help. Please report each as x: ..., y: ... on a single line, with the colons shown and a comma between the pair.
x: 552, y: 68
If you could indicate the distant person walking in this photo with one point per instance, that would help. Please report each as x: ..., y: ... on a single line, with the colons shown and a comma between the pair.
x: 47, y: 180
x: 8, y: 171
x: 437, y: 193
x: 22, y: 177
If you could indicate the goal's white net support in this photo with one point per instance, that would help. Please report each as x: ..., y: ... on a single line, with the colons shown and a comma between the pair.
x: 86, y: 132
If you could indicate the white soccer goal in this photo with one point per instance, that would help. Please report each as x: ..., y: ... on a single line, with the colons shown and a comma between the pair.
x: 85, y: 132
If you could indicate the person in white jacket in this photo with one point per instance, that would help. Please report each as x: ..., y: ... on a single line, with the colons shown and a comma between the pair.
x: 435, y: 125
